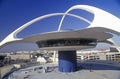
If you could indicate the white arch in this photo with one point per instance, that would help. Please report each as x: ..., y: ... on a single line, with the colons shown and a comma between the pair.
x: 12, y: 37
x: 102, y: 19
x: 43, y: 17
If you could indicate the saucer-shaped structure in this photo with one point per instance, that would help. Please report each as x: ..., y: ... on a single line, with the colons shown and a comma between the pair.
x: 68, y: 40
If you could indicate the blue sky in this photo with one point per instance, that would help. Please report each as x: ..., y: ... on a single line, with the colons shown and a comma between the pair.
x: 14, y: 13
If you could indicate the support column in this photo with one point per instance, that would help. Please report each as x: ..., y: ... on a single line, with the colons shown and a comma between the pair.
x: 54, y: 57
x: 67, y: 61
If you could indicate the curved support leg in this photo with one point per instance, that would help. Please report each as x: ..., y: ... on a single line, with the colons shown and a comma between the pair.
x: 102, y: 19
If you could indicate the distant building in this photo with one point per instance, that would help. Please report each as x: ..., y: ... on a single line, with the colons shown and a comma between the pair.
x: 113, y: 55
x: 20, y: 56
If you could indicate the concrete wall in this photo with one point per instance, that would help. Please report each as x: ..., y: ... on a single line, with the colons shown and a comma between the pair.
x: 4, y: 70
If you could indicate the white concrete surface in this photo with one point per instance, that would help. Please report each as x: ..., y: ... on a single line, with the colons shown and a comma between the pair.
x: 31, y: 73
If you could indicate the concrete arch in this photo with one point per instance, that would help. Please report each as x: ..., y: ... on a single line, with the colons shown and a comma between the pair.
x: 103, y: 21
x: 12, y: 37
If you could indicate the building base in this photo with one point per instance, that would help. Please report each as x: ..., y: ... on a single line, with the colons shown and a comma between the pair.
x: 67, y: 61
